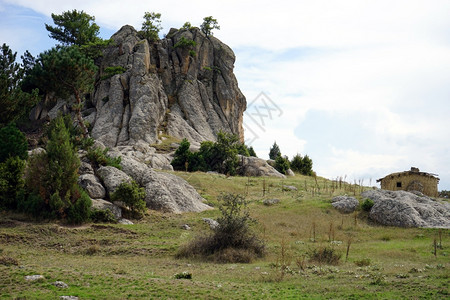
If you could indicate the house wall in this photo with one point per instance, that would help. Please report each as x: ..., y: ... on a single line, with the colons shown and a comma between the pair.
x: 429, y: 183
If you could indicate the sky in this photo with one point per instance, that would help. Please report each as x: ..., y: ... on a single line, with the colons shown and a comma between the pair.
x: 361, y: 86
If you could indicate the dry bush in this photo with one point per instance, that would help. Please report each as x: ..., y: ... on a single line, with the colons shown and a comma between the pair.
x: 325, y: 255
x: 232, y: 240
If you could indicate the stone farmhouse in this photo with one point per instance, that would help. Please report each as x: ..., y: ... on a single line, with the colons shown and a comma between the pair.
x: 412, y: 180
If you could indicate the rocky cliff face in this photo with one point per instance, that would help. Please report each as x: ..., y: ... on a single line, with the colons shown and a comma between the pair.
x: 185, y: 91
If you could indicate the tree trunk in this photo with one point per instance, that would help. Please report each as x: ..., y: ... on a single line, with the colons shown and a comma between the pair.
x: 78, y: 114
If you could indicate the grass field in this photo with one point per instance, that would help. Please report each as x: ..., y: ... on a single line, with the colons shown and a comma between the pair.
x: 112, y: 261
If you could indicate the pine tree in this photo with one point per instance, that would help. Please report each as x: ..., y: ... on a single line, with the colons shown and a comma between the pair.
x: 66, y: 72
x: 74, y: 28
x: 274, y: 151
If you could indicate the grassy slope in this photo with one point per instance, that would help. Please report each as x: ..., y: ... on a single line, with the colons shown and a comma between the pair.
x: 104, y: 261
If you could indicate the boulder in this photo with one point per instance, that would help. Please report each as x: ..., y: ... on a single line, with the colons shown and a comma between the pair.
x: 213, y: 224
x: 92, y: 185
x: 34, y: 278
x: 289, y: 188
x: 112, y: 178
x: 270, y: 202
x: 254, y: 166
x: 406, y: 209
x: 345, y: 204
x: 101, y: 204
x: 164, y: 192
x: 290, y: 173
x: 60, y: 284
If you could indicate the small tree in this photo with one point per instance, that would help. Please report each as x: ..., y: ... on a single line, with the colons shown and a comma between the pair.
x: 66, y: 72
x: 307, y: 166
x: 14, y: 102
x: 51, y: 179
x: 151, y: 26
x: 252, y: 152
x: 274, y: 151
x: 282, y: 164
x: 74, y: 28
x: 132, y: 195
x: 12, y: 143
x: 209, y: 23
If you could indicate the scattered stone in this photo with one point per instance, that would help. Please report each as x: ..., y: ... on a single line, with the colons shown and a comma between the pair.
x: 289, y: 188
x: 125, y: 222
x: 85, y: 168
x: 213, y: 224
x: 405, y: 209
x: 270, y: 202
x: 34, y: 277
x: 60, y: 284
x: 36, y: 151
x: 345, y: 204
x: 68, y: 298
x: 185, y: 227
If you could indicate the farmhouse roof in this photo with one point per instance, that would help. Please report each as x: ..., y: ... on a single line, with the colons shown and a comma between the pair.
x: 413, y: 170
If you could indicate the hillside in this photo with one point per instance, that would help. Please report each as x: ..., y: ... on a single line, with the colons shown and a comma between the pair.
x: 137, y: 261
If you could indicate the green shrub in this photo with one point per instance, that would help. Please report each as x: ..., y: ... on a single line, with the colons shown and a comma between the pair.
x: 302, y: 165
x: 11, y: 181
x: 367, y: 204
x: 183, y: 275
x: 102, y: 216
x: 282, y: 164
x: 325, y: 255
x: 111, y: 71
x: 132, y: 195
x: 187, y: 26
x: 100, y: 157
x: 184, y: 43
x: 232, y: 240
x: 221, y: 156
x: 12, y: 143
x: 79, y: 211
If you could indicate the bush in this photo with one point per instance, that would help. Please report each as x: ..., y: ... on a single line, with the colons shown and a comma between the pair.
x: 11, y: 181
x: 363, y: 262
x: 79, y: 211
x: 282, y: 164
x: 132, y: 195
x: 102, y: 216
x: 100, y: 157
x: 184, y: 43
x: 367, y: 205
x: 12, y: 143
x: 221, y: 156
x: 232, y: 240
x: 325, y: 255
x: 302, y: 165
x: 111, y: 71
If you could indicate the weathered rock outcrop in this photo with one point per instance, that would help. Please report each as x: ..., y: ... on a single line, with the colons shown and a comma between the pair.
x: 405, y: 209
x: 345, y: 204
x: 254, y: 166
x: 184, y: 91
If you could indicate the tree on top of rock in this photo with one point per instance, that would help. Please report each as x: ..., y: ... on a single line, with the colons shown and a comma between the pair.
x: 74, y: 28
x: 66, y: 72
x: 151, y: 26
x: 14, y: 102
x: 209, y: 23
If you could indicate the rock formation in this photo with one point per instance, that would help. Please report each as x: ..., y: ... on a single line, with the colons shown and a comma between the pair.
x: 345, y: 204
x: 405, y: 209
x: 166, y: 88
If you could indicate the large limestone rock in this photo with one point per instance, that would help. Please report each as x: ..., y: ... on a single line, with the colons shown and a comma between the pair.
x: 112, y: 178
x: 167, y: 89
x: 254, y: 166
x: 101, y: 204
x: 345, y: 204
x: 405, y: 209
x: 164, y: 192
x: 92, y: 185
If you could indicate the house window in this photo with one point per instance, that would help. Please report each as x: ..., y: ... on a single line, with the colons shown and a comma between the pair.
x: 399, y: 184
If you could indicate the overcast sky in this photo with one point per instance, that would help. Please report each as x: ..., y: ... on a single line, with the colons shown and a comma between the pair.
x: 362, y: 87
